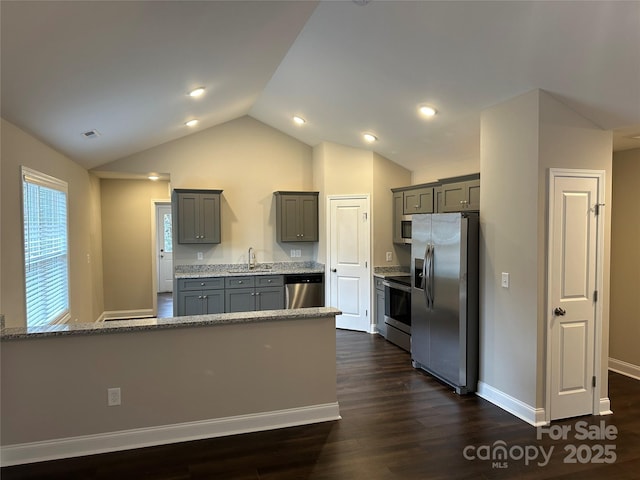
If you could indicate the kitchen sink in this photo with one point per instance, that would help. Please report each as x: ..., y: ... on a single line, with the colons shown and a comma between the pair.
x: 245, y: 269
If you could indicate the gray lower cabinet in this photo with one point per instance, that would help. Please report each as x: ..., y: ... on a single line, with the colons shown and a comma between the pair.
x: 459, y: 196
x: 379, y: 312
x: 249, y: 293
x: 200, y: 296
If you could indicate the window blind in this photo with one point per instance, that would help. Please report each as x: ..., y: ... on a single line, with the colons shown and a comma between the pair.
x: 45, y: 248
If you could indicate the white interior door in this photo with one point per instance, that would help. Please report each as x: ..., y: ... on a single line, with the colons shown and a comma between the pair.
x: 348, y: 260
x: 164, y: 247
x: 573, y: 271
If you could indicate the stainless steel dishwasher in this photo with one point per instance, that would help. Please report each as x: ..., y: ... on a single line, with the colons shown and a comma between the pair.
x: 305, y: 290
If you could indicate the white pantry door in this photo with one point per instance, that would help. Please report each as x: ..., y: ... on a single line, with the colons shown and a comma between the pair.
x: 573, y: 270
x: 164, y: 247
x: 348, y: 260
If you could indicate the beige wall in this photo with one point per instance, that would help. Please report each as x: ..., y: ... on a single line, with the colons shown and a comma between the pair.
x: 625, y: 259
x: 520, y: 140
x: 387, y: 175
x: 246, y: 159
x: 85, y: 260
x: 127, y: 232
x: 166, y: 377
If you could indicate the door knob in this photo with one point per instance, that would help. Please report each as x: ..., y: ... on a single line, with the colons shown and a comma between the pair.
x: 334, y: 270
x: 559, y: 311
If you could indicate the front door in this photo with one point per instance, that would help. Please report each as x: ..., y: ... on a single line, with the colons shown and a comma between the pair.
x: 573, y: 279
x: 348, y: 260
x: 164, y: 247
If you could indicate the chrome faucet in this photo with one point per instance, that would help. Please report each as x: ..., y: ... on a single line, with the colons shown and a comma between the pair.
x: 251, y: 264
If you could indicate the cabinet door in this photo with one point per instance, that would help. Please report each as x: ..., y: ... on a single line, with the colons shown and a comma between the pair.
x: 473, y: 194
x: 289, y: 231
x: 419, y: 200
x: 240, y: 300
x: 308, y: 218
x: 209, y: 218
x: 453, y: 197
x: 460, y: 196
x: 190, y: 303
x: 398, y: 212
x: 213, y: 301
x: 269, y: 298
x: 188, y: 218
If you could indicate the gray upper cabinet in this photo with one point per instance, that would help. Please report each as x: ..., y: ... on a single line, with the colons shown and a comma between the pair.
x: 418, y: 200
x: 459, y: 196
x: 398, y: 208
x: 197, y: 215
x: 296, y: 216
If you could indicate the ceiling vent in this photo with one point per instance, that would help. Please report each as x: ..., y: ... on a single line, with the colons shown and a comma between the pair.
x: 91, y: 134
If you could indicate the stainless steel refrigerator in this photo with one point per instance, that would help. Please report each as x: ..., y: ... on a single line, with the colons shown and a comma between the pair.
x: 444, y: 297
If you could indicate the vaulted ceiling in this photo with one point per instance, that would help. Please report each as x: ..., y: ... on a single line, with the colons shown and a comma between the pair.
x: 346, y: 67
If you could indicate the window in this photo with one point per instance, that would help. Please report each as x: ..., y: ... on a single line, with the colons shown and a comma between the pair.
x: 44, y: 201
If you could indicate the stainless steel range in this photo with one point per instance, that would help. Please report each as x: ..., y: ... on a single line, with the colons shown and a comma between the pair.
x: 397, y: 310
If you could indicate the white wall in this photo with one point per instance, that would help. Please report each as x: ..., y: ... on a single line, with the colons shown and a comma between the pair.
x: 85, y: 237
x: 625, y: 262
x: 520, y: 140
x: 246, y: 159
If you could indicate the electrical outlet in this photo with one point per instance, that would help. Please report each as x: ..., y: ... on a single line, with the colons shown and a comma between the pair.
x: 113, y: 397
x: 200, y: 256
x: 293, y: 253
x: 505, y: 280
x: 389, y: 256
x: 298, y: 253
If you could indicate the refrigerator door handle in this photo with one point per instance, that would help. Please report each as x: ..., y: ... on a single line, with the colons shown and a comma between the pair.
x: 431, y: 274
x: 425, y: 275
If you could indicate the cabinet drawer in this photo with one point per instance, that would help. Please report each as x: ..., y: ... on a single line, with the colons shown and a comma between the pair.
x: 239, y: 282
x: 270, y: 281
x: 200, y: 283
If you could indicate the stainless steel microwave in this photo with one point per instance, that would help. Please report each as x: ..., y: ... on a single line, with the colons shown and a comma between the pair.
x: 405, y: 229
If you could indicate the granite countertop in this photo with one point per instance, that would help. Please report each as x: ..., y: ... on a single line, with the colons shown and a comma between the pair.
x: 121, y: 326
x: 235, y: 269
x: 393, y: 271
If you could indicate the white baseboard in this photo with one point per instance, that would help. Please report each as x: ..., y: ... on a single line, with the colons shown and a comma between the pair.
x: 624, y: 368
x: 127, y: 314
x: 164, y: 434
x: 531, y: 415
x: 605, y: 407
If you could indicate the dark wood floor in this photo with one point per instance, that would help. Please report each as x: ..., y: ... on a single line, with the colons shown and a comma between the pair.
x: 398, y: 423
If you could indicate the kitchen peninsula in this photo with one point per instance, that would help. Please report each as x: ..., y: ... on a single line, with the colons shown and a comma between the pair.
x: 177, y: 379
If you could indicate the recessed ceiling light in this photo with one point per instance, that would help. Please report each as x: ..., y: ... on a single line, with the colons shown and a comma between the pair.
x: 153, y: 177
x: 196, y: 92
x: 191, y: 123
x: 369, y: 137
x: 299, y: 120
x: 427, y: 110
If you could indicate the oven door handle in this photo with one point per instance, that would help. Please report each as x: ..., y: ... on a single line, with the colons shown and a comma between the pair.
x: 396, y: 286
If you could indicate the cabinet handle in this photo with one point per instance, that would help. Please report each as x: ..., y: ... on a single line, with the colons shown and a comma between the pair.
x: 204, y: 296
x: 202, y: 284
x: 239, y: 282
x: 199, y: 297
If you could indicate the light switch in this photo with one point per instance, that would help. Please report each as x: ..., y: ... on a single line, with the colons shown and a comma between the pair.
x: 505, y: 280
x: 389, y: 256
x: 200, y: 256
